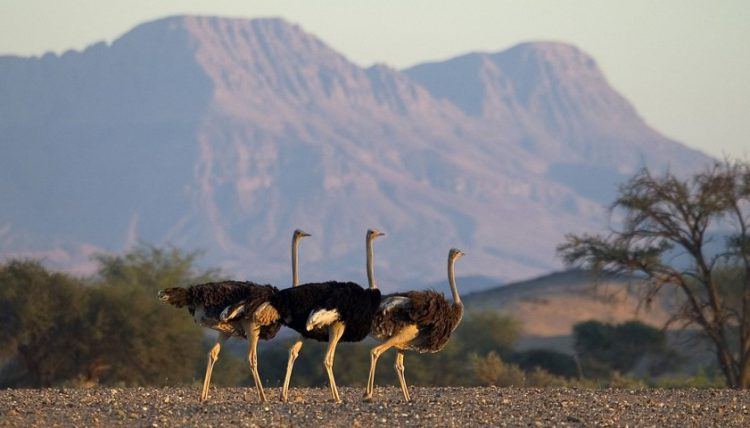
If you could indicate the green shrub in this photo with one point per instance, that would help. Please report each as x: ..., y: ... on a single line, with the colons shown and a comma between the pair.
x: 43, y: 338
x: 58, y: 329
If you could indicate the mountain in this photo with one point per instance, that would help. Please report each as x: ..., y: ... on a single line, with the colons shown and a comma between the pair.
x: 556, y: 103
x: 550, y: 305
x: 226, y: 134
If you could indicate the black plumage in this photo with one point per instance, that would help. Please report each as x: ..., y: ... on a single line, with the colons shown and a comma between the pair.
x: 434, y: 316
x: 210, y: 299
x: 355, y: 306
x: 327, y: 312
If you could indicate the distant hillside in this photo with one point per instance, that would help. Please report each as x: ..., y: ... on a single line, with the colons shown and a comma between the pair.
x: 469, y: 284
x: 550, y: 305
x: 226, y: 134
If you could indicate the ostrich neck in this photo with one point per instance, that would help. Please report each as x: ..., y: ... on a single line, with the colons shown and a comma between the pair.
x: 452, y: 281
x: 295, y: 273
x: 370, y: 268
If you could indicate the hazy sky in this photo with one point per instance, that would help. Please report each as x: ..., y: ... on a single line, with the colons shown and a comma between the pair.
x: 684, y: 64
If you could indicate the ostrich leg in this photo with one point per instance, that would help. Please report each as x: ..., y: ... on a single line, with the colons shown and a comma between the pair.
x: 399, y: 366
x: 253, y: 333
x: 213, y: 355
x: 402, y: 337
x: 293, y: 352
x: 335, y: 331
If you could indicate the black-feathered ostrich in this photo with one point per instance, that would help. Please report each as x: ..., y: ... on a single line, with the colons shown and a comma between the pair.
x: 420, y: 321
x: 328, y: 311
x: 227, y: 307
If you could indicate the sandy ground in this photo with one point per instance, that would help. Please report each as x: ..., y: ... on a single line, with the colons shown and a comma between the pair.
x: 430, y: 407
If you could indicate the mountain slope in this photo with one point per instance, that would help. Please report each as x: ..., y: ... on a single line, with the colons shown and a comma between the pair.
x: 550, y: 305
x: 557, y: 103
x: 226, y: 134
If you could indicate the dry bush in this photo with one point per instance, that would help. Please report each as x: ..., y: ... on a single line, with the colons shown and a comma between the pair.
x: 492, y: 370
x: 539, y: 377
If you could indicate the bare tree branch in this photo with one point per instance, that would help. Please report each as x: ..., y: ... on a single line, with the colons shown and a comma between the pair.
x: 665, y: 216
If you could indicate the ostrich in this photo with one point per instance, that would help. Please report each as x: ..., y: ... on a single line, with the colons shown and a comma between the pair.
x: 329, y: 311
x: 224, y: 307
x: 420, y: 321
x: 206, y: 302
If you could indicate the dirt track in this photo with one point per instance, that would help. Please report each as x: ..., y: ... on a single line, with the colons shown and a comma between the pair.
x: 430, y: 407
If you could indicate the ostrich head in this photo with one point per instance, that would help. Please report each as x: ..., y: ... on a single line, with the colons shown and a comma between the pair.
x: 455, y: 254
x: 300, y: 234
x: 374, y: 233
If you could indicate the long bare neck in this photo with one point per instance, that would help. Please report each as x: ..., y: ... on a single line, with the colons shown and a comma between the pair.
x: 295, y: 250
x: 370, y: 268
x: 452, y: 280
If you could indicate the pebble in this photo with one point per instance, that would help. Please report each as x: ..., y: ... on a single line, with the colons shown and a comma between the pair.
x: 432, y: 407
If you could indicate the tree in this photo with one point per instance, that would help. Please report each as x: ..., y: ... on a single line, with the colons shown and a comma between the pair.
x: 604, y: 348
x: 669, y: 236
x: 43, y: 330
x: 59, y: 329
x: 136, y: 339
x: 485, y: 331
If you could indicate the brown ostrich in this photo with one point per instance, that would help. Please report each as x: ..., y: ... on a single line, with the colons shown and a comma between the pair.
x: 419, y: 321
x: 227, y: 307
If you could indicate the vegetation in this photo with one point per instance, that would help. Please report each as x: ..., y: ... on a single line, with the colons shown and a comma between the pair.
x: 43, y: 319
x: 111, y: 329
x: 492, y: 370
x: 606, y: 349
x: 672, y: 232
x: 554, y: 362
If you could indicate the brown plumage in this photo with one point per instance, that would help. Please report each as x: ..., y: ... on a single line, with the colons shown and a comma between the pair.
x: 229, y: 307
x: 420, y: 321
x: 267, y: 314
x: 434, y: 316
x: 206, y: 302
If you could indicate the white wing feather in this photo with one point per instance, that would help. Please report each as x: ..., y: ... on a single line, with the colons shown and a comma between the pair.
x: 233, y: 311
x: 321, y: 318
x: 393, y: 302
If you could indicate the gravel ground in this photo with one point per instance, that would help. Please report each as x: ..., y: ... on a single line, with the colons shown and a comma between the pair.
x: 430, y: 407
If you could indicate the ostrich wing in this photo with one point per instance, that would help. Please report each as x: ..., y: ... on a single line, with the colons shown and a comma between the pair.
x: 234, y: 311
x: 392, y: 316
x: 393, y: 302
x: 321, y: 318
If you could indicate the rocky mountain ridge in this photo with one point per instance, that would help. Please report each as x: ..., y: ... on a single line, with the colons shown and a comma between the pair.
x: 226, y: 134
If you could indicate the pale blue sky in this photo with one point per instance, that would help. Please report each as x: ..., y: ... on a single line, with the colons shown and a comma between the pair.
x: 685, y: 64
